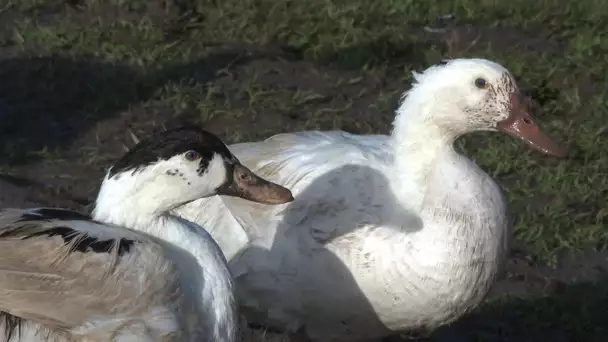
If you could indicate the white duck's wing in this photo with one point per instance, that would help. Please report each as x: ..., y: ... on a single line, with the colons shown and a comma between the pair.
x: 60, y: 269
x: 292, y: 160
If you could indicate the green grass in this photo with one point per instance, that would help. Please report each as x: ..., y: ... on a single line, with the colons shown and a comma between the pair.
x: 247, y: 69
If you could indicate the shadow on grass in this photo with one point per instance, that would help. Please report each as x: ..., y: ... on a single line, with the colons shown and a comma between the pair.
x: 575, y: 312
x: 47, y: 102
x: 539, y: 303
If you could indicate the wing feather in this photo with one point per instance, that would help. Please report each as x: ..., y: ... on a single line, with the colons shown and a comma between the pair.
x: 62, y: 269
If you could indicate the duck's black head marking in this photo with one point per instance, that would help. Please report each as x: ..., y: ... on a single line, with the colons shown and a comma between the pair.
x: 167, y: 144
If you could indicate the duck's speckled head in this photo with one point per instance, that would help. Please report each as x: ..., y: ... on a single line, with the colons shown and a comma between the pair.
x: 181, y: 165
x: 466, y: 95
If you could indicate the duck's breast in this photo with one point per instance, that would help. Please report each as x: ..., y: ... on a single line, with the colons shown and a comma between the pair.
x: 456, y: 257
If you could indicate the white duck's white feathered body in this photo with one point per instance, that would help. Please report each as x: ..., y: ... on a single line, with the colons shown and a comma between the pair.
x: 347, y: 258
x: 386, y: 233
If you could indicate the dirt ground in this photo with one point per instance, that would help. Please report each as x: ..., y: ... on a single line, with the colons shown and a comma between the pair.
x: 64, y: 117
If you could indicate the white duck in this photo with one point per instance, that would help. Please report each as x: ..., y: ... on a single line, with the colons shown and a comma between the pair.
x: 65, y: 276
x: 387, y: 233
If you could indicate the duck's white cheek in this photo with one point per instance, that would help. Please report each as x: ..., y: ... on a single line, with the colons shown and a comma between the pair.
x: 216, y: 171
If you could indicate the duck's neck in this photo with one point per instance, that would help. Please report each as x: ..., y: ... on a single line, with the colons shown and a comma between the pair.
x: 190, y: 246
x: 419, y: 146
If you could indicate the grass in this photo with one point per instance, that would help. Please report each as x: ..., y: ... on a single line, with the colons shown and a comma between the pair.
x: 75, y: 75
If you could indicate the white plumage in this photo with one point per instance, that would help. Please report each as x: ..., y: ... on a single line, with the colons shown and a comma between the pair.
x: 386, y: 233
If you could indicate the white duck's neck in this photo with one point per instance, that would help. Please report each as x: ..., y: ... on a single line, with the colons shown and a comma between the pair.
x: 461, y: 226
x: 419, y: 145
x: 121, y: 202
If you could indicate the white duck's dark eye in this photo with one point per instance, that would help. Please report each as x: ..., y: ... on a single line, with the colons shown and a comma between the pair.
x: 192, y: 155
x: 481, y: 83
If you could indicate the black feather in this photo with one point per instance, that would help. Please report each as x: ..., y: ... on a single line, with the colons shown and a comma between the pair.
x: 84, y: 244
x: 167, y: 144
x: 46, y: 214
x: 12, y: 325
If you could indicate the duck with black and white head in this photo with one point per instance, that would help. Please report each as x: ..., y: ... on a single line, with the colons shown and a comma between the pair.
x: 132, y: 271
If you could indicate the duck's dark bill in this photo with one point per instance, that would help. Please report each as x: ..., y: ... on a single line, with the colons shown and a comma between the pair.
x: 248, y: 185
x: 519, y: 124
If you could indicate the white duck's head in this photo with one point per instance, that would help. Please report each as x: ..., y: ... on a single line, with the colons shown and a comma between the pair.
x: 466, y: 95
x: 178, y: 166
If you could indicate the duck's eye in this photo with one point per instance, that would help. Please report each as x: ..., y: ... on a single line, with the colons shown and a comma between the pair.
x: 192, y: 155
x: 481, y: 83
